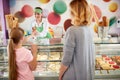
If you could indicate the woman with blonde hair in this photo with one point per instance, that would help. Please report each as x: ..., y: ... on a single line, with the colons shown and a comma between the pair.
x: 78, y: 50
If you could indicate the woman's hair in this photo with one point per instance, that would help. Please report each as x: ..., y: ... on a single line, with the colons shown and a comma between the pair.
x: 15, y: 35
x: 81, y: 12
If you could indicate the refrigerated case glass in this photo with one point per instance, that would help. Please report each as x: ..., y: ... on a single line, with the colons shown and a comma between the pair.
x: 107, y: 61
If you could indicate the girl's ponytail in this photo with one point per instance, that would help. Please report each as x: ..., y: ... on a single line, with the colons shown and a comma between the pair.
x: 12, y: 61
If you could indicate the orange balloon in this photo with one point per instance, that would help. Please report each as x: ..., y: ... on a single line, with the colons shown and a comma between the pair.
x: 113, y: 6
x: 43, y: 1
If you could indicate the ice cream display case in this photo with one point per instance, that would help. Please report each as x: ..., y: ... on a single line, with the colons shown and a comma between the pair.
x: 48, y: 62
x: 3, y: 62
x: 49, y: 58
x: 107, y: 61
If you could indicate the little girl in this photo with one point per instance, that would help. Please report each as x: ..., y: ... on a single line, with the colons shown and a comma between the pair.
x: 21, y: 60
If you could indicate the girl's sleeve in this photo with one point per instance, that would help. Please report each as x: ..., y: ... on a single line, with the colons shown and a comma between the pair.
x: 68, y: 49
x: 28, y: 56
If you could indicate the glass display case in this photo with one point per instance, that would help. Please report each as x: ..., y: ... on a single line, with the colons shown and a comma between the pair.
x: 3, y: 63
x: 107, y: 60
x: 48, y: 62
x: 49, y: 58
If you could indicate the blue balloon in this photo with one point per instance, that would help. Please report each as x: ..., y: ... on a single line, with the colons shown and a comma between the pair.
x: 12, y: 3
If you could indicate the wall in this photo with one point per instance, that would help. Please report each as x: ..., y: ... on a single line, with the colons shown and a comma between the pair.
x: 103, y: 8
x: 4, y: 9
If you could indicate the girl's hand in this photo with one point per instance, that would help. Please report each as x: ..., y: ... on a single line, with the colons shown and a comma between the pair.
x: 34, y: 49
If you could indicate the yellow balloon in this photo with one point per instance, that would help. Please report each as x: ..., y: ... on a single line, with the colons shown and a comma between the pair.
x: 43, y: 1
x: 25, y: 33
x: 113, y: 7
x: 96, y: 28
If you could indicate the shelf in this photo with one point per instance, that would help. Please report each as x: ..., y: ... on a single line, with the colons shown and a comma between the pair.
x: 107, y: 43
x: 59, y: 44
x: 112, y: 77
x: 49, y: 61
x: 3, y: 67
x: 104, y: 74
x: 37, y: 61
x: 57, y: 49
x: 37, y: 78
x: 3, y: 61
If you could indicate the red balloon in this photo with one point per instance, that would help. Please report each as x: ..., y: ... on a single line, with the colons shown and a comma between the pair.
x: 67, y: 24
x: 106, y: 0
x: 54, y: 18
x: 27, y: 11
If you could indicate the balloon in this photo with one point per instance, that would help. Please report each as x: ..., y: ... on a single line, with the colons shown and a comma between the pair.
x: 98, y: 12
x: 20, y: 17
x: 67, y: 24
x: 44, y: 1
x: 106, y: 0
x: 53, y: 18
x: 27, y: 11
x: 96, y: 28
x: 113, y: 7
x: 112, y: 21
x: 12, y: 3
x: 59, y: 7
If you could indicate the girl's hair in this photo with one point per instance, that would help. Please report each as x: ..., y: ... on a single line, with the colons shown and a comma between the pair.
x: 15, y: 35
x: 81, y: 12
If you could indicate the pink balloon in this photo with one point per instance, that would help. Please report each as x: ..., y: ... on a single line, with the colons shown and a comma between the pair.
x: 98, y: 12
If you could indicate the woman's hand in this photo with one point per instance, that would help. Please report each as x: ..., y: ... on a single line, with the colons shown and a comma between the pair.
x: 60, y: 78
x: 63, y: 68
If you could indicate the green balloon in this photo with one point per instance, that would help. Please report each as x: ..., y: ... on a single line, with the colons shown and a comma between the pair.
x: 59, y: 7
